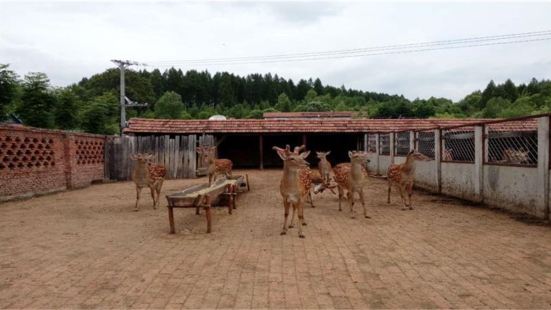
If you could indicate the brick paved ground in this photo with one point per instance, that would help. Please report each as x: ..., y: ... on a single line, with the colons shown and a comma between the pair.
x: 87, y: 249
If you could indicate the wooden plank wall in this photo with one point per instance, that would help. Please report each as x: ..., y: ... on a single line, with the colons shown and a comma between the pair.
x: 176, y: 153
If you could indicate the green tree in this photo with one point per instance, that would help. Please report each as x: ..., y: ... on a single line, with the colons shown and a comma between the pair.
x: 283, y: 103
x: 310, y: 95
x: 101, y: 115
x: 66, y: 110
x: 487, y: 94
x: 8, y: 86
x: 495, y: 106
x: 37, y: 102
x: 169, y: 106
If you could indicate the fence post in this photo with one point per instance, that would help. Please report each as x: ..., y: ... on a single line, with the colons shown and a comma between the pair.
x: 377, y: 150
x: 478, y: 163
x: 412, y: 141
x: 438, y: 159
x: 543, y: 168
x: 391, y: 146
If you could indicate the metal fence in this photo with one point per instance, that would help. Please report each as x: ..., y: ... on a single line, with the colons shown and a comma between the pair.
x: 372, y: 143
x: 401, y: 143
x: 458, y: 144
x: 384, y: 144
x: 512, y: 143
x: 425, y: 143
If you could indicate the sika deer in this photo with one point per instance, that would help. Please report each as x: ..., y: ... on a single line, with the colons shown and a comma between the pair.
x: 216, y: 166
x: 295, y: 184
x: 147, y: 174
x: 352, y: 177
x: 324, y: 166
x: 402, y: 176
x: 512, y: 156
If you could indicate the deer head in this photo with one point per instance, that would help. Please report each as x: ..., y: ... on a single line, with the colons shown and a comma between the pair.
x: 208, y: 153
x: 293, y: 159
x: 322, y: 155
x: 141, y: 158
x: 358, y: 157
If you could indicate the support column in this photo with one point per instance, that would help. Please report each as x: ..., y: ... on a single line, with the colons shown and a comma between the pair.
x: 304, y: 139
x: 412, y: 145
x: 261, y: 151
x: 391, y: 142
x: 377, y: 151
x: 478, y: 163
x: 365, y: 142
x: 542, y: 202
x: 438, y: 159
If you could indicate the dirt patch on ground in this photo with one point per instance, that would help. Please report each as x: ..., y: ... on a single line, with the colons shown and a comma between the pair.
x: 88, y: 249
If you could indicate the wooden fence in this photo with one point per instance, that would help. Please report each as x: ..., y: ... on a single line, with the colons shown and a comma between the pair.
x: 176, y: 152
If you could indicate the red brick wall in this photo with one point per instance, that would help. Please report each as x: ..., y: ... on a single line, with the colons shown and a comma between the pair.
x: 37, y: 161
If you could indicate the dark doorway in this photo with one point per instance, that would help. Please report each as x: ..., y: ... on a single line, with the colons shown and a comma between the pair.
x: 271, y: 159
x: 242, y: 150
x: 339, y: 144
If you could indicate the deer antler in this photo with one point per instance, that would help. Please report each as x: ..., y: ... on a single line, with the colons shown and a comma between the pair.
x: 299, y: 149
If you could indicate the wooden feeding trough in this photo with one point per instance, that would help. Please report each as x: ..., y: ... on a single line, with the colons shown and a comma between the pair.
x: 222, y: 192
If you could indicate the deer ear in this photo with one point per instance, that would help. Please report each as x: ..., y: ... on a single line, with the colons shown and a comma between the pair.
x: 199, y: 149
x: 282, y: 153
x: 304, y: 154
x: 133, y: 157
x: 329, y: 152
x: 350, y: 154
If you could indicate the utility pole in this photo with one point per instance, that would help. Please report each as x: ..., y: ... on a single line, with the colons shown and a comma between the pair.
x: 124, y: 101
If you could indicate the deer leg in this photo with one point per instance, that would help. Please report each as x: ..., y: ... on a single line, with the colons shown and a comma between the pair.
x: 311, y: 199
x: 301, y: 223
x: 210, y: 178
x: 292, y: 218
x: 286, y: 205
x: 351, y: 204
x: 138, y: 190
x: 362, y: 200
x: 410, y: 193
x: 389, y: 189
x: 340, y: 197
x: 153, y: 195
x: 158, y: 190
x: 402, y: 195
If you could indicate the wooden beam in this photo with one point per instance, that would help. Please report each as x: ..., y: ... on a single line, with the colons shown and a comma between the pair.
x: 261, y: 151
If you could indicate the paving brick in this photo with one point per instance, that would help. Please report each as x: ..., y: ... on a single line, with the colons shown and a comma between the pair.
x: 88, y: 249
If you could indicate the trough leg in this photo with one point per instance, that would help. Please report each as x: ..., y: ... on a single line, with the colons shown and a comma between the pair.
x: 171, y: 220
x: 209, y: 219
x: 248, y: 186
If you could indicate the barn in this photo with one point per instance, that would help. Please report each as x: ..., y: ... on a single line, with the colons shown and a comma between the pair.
x: 248, y: 142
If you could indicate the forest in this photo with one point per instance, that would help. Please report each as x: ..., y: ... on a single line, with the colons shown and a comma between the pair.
x: 92, y: 104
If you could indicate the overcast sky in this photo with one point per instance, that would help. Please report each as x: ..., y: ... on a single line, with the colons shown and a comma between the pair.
x: 69, y: 40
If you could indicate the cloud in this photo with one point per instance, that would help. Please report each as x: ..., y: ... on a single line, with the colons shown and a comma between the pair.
x: 70, y: 40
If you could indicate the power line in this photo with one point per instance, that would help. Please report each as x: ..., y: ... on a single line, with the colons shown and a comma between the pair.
x: 515, y: 38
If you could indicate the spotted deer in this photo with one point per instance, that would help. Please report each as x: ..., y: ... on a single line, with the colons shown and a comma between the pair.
x: 447, y: 154
x: 146, y: 174
x: 352, y: 177
x: 512, y: 156
x: 402, y: 176
x: 295, y: 184
x: 324, y: 166
x: 216, y: 166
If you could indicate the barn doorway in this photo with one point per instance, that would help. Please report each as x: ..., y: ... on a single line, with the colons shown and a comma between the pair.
x: 243, y: 150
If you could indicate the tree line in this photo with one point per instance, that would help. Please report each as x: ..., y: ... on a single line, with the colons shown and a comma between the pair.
x: 91, y: 105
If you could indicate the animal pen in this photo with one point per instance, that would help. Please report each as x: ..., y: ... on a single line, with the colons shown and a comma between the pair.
x: 503, y: 163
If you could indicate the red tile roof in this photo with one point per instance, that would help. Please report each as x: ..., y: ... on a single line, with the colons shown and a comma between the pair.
x: 143, y: 125
x: 308, y: 115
